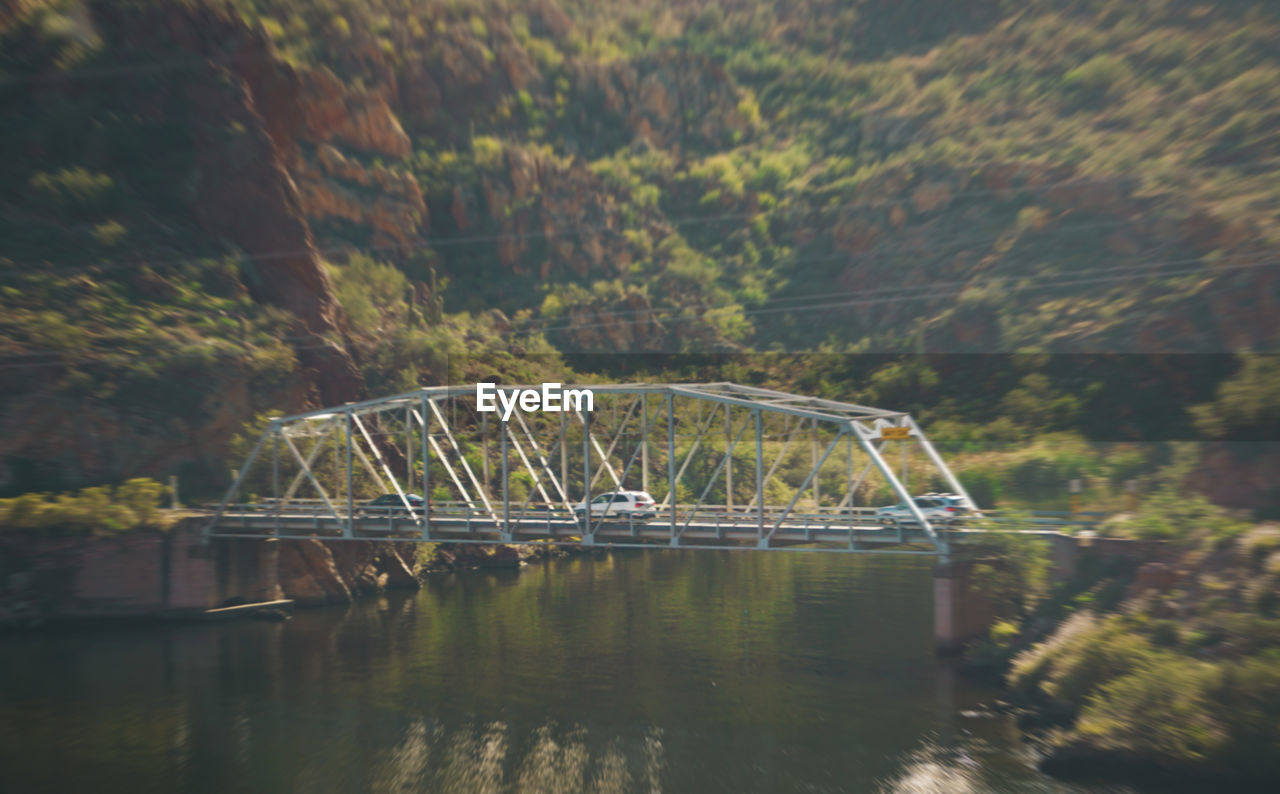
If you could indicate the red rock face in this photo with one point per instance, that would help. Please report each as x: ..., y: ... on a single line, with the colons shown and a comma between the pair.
x: 314, y: 573
x: 677, y: 102
x: 1238, y: 474
x: 244, y: 109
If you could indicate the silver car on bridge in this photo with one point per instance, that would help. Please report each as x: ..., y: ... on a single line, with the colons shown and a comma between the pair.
x: 937, y: 508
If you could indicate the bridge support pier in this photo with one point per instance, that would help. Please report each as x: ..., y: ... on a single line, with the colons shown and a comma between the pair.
x: 247, y: 570
x: 961, y: 613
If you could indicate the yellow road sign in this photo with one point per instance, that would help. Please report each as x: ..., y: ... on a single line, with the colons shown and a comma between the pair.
x: 895, y: 433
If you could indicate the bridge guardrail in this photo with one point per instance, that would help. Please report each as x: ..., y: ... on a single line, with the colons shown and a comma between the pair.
x: 718, y: 517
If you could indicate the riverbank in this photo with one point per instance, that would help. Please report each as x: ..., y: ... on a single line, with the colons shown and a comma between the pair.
x: 1164, y: 672
x: 154, y: 574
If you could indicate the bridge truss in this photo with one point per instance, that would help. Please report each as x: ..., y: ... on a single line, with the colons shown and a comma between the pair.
x: 728, y: 465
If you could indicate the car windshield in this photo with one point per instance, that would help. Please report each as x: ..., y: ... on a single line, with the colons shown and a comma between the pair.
x: 600, y: 500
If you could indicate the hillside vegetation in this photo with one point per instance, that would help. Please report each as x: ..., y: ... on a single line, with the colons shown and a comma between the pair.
x: 217, y: 208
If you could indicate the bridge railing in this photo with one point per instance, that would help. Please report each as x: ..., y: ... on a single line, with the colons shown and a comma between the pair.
x: 316, y: 513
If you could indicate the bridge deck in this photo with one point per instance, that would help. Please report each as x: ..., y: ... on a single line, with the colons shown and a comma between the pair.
x: 851, y: 532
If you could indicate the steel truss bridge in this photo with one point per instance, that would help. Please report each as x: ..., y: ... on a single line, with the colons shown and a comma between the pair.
x: 729, y: 466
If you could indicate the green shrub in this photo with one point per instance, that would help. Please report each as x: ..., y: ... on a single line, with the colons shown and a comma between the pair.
x: 1082, y: 656
x: 73, y: 191
x: 91, y: 510
x: 1172, y: 513
x: 1165, y: 633
x: 1019, y: 576
x: 1163, y: 709
x: 1003, y: 631
x: 487, y: 152
x: 1097, y: 78
x: 142, y: 496
x: 109, y: 234
x: 982, y: 485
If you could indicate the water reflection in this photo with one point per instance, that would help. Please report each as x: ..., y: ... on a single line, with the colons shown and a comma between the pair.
x: 973, y: 765
x: 488, y: 758
x: 640, y: 672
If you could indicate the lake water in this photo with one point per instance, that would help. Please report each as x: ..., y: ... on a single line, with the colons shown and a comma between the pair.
x: 679, y: 671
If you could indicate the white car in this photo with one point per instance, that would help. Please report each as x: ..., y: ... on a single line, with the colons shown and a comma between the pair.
x: 620, y: 504
x: 936, y: 508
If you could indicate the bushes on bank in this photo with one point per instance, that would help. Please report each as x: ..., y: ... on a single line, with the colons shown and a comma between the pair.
x: 100, y: 509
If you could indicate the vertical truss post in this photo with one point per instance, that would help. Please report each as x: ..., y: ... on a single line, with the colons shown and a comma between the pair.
x: 586, y: 474
x: 905, y: 443
x: 817, y: 491
x: 564, y: 457
x: 485, y: 475
x: 791, y: 434
x: 671, y: 460
x: 644, y: 441
x: 506, y: 498
x: 351, y: 506
x: 275, y: 475
x: 426, y: 469
x: 408, y: 448
x: 728, y: 466
x: 847, y: 499
x: 759, y: 419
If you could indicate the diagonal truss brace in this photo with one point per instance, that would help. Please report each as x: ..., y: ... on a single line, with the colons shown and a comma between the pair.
x: 545, y: 462
x: 462, y: 459
x: 386, y: 470
x: 867, y: 436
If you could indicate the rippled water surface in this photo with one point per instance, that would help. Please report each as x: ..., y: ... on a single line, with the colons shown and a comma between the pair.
x: 660, y: 671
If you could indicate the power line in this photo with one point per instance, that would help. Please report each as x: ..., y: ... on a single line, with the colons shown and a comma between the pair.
x: 155, y: 350
x: 178, y: 352
x: 789, y: 261
x: 134, y: 69
x: 568, y: 231
x: 883, y: 251
x: 920, y: 293
x: 728, y: 306
x: 891, y: 290
x: 916, y: 293
x: 29, y: 270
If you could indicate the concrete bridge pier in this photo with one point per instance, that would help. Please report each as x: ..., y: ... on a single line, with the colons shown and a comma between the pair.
x: 961, y: 612
x: 144, y: 574
x: 197, y: 574
x: 247, y: 571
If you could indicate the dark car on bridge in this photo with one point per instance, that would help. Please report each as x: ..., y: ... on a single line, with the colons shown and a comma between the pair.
x: 390, y: 503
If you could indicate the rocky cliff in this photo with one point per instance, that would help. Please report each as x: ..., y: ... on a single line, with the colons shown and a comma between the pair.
x: 251, y: 157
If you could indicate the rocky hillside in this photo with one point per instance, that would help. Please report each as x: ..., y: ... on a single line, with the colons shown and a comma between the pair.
x: 223, y: 207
